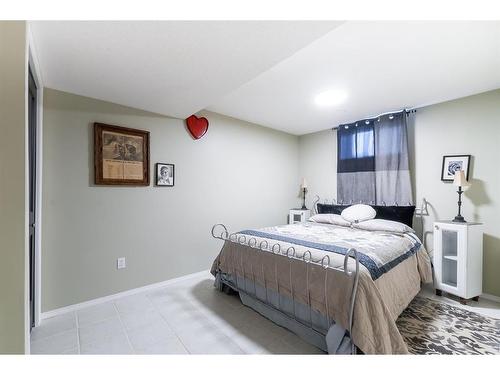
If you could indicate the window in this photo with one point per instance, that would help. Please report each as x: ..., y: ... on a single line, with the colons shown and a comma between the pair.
x: 356, y: 147
x: 365, y: 146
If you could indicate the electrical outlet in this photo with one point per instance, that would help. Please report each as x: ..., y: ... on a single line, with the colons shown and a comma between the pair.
x: 121, y: 263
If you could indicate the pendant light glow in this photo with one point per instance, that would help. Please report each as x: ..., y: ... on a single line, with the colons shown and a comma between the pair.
x: 330, y: 98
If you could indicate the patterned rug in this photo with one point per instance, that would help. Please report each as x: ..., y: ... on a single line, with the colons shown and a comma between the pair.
x: 431, y: 327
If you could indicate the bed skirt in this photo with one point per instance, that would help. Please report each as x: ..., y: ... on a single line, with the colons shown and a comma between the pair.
x: 308, y: 324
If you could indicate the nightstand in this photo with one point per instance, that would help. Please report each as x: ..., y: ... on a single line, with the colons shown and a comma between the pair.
x: 458, y: 259
x: 298, y: 215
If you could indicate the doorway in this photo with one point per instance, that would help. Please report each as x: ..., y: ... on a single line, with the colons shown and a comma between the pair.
x: 32, y: 168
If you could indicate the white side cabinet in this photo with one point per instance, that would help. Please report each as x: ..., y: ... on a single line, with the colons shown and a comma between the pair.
x: 458, y: 259
x: 298, y: 215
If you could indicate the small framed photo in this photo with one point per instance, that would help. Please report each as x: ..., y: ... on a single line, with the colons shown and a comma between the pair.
x: 453, y: 163
x: 165, y: 174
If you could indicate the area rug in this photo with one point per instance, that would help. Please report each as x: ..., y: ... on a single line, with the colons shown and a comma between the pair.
x: 432, y: 327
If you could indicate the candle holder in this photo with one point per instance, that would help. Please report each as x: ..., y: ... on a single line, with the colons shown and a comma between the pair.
x: 460, y: 181
x: 459, y: 218
x: 304, y: 190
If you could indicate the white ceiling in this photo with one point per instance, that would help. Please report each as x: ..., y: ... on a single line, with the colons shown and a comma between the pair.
x: 174, y: 68
x: 383, y: 66
x: 269, y: 72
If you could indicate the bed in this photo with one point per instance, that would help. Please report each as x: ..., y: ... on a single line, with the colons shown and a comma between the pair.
x: 339, y: 287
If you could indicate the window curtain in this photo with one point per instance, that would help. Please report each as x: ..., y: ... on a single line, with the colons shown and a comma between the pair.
x: 372, y: 161
x: 356, y: 162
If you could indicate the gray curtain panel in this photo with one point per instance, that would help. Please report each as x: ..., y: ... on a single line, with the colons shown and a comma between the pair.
x: 372, y: 164
x: 392, y: 171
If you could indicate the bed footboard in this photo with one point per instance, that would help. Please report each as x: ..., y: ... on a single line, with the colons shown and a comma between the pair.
x: 219, y: 231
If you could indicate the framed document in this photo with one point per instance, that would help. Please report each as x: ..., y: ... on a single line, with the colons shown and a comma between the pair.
x: 121, y: 155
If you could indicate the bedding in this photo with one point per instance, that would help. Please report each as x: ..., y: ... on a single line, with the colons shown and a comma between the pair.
x: 372, y: 225
x: 324, y: 208
x: 392, y: 267
x: 358, y: 212
x: 330, y: 219
x: 379, y: 252
x: 402, y: 214
x: 383, y: 226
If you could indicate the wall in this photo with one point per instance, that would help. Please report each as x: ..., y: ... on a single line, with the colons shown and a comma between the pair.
x: 465, y: 126
x: 13, y: 54
x: 318, y: 164
x: 240, y: 174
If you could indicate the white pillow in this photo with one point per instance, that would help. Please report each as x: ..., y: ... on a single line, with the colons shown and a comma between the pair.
x: 384, y: 226
x: 330, y: 219
x: 358, y: 213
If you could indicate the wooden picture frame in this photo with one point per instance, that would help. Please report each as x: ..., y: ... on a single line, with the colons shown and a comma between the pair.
x: 451, y: 163
x: 166, y: 179
x: 121, y: 155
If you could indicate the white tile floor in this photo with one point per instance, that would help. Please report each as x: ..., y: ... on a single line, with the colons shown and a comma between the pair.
x: 190, y: 316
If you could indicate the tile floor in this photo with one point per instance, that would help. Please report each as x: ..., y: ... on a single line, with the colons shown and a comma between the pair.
x: 187, y: 317
x: 190, y: 316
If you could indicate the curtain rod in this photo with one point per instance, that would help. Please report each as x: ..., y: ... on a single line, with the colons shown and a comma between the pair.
x: 407, y: 111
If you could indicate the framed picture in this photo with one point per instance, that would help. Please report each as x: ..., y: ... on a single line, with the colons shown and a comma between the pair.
x: 121, y: 156
x: 165, y: 174
x: 453, y: 163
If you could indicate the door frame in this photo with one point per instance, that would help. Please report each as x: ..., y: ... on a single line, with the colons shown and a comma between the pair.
x: 34, y: 66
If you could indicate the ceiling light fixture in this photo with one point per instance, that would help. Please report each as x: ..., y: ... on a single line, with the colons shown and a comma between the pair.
x: 330, y: 98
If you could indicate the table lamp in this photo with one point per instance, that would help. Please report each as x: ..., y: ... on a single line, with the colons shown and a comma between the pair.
x: 303, y: 186
x: 460, y: 181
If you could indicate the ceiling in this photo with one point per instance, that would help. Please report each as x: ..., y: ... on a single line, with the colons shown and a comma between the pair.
x: 270, y: 72
x: 175, y: 68
x: 383, y: 66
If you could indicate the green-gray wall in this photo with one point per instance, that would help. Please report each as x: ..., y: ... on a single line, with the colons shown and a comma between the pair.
x: 239, y: 174
x: 469, y: 125
x: 12, y: 186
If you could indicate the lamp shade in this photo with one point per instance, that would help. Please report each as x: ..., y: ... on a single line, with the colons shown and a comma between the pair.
x: 460, y: 179
x: 304, y: 184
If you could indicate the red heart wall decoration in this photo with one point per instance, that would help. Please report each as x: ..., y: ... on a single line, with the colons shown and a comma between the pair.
x: 197, y: 126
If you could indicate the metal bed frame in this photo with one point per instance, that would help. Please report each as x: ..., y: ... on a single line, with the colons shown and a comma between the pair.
x: 241, y: 239
x: 263, y: 245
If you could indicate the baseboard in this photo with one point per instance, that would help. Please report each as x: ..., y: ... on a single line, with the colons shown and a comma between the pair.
x: 161, y: 284
x: 490, y: 297
x: 81, y: 305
